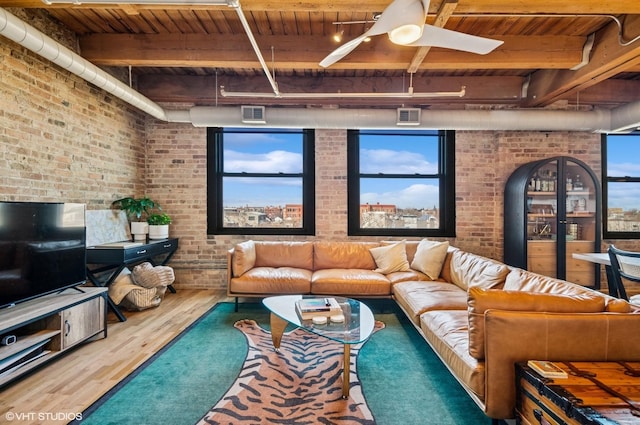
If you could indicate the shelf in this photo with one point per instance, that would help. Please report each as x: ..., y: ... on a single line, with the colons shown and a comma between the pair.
x: 47, y: 326
x: 541, y: 193
x: 27, y: 341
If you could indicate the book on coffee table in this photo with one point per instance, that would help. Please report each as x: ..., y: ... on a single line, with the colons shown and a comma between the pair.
x: 307, y: 308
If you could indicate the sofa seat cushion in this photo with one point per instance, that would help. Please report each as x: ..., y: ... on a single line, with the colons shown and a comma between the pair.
x: 481, y: 300
x: 349, y: 282
x: 447, y: 333
x: 272, y: 280
x: 418, y: 297
x: 469, y: 270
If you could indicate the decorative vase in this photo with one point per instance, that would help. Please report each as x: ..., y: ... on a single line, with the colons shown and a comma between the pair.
x: 158, y: 231
x: 139, y: 230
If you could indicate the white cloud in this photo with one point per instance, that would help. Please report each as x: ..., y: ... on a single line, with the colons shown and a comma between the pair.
x: 414, y: 196
x: 269, y: 162
x: 623, y: 169
x: 624, y: 195
x: 391, y: 161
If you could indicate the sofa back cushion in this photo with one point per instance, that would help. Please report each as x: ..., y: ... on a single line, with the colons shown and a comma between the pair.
x: 244, y: 258
x: 481, y: 300
x: 343, y: 255
x: 284, y: 254
x: 523, y: 280
x: 468, y: 270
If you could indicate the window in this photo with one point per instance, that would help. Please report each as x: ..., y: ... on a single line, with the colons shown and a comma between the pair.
x: 260, y: 181
x: 401, y: 183
x: 621, y: 185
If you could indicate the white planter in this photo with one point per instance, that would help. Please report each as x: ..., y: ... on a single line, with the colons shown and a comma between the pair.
x: 139, y: 230
x: 158, y: 231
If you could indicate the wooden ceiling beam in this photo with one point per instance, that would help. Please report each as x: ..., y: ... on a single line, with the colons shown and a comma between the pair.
x: 608, y: 58
x: 205, y: 89
x: 444, y: 13
x: 305, y: 52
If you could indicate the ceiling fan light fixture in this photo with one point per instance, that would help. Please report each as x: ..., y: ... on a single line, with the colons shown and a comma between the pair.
x: 405, y: 34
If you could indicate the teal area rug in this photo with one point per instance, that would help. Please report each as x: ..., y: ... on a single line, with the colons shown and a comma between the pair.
x: 402, y: 380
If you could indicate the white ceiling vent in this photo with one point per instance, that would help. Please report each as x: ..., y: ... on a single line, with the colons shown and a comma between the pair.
x: 253, y: 115
x: 408, y: 116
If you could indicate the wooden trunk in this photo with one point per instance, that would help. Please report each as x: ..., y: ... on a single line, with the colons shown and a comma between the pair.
x: 604, y: 393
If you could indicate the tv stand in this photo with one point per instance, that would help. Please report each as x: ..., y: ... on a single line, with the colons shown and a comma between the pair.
x: 48, y: 326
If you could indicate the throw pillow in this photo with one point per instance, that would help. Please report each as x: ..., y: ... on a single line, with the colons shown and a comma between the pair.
x: 430, y: 257
x: 390, y: 258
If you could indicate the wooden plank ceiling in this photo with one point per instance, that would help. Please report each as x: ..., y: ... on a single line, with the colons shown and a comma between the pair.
x: 186, y: 53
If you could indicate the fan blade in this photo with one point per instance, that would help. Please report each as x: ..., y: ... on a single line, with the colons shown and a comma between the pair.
x: 440, y: 37
x: 342, y: 51
x: 392, y: 17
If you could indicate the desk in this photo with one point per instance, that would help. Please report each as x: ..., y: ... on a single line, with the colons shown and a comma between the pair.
x: 601, y: 258
x: 113, y: 260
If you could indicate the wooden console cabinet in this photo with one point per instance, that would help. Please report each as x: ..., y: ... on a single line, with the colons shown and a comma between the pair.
x: 48, y: 326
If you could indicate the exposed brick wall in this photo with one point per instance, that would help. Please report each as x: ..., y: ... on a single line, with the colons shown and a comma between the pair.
x: 62, y: 139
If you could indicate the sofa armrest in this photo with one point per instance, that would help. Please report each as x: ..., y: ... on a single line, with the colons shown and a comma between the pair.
x: 512, y: 337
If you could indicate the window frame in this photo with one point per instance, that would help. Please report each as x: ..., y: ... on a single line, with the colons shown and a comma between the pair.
x: 446, y: 176
x: 216, y: 174
x: 606, y: 179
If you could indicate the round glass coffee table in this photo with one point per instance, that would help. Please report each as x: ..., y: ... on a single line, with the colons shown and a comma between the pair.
x: 357, y: 326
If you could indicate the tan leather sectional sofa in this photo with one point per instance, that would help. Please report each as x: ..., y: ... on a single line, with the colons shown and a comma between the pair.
x: 479, y: 315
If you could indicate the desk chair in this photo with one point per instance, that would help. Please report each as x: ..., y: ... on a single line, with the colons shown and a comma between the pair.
x: 624, y: 264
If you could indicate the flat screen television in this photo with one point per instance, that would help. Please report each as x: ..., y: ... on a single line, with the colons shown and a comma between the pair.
x: 42, y: 249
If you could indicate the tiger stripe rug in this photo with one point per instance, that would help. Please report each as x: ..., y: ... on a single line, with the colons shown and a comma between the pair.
x: 300, y: 384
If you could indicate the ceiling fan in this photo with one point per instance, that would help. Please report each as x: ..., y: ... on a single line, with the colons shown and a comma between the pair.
x: 404, y: 21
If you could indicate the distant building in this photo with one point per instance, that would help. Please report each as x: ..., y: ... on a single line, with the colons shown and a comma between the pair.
x: 385, y: 208
x: 293, y: 212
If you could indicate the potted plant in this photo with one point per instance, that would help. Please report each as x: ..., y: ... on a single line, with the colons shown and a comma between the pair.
x: 159, y: 225
x: 136, y: 208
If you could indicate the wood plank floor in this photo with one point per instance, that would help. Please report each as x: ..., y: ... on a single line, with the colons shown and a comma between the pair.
x: 74, y: 381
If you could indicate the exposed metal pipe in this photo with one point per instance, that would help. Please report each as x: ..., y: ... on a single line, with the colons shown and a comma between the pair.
x: 247, y: 29
x: 39, y: 43
x: 410, y: 94
x: 512, y: 119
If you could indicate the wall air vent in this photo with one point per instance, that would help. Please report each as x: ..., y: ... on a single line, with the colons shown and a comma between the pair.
x: 408, y: 116
x: 253, y: 115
